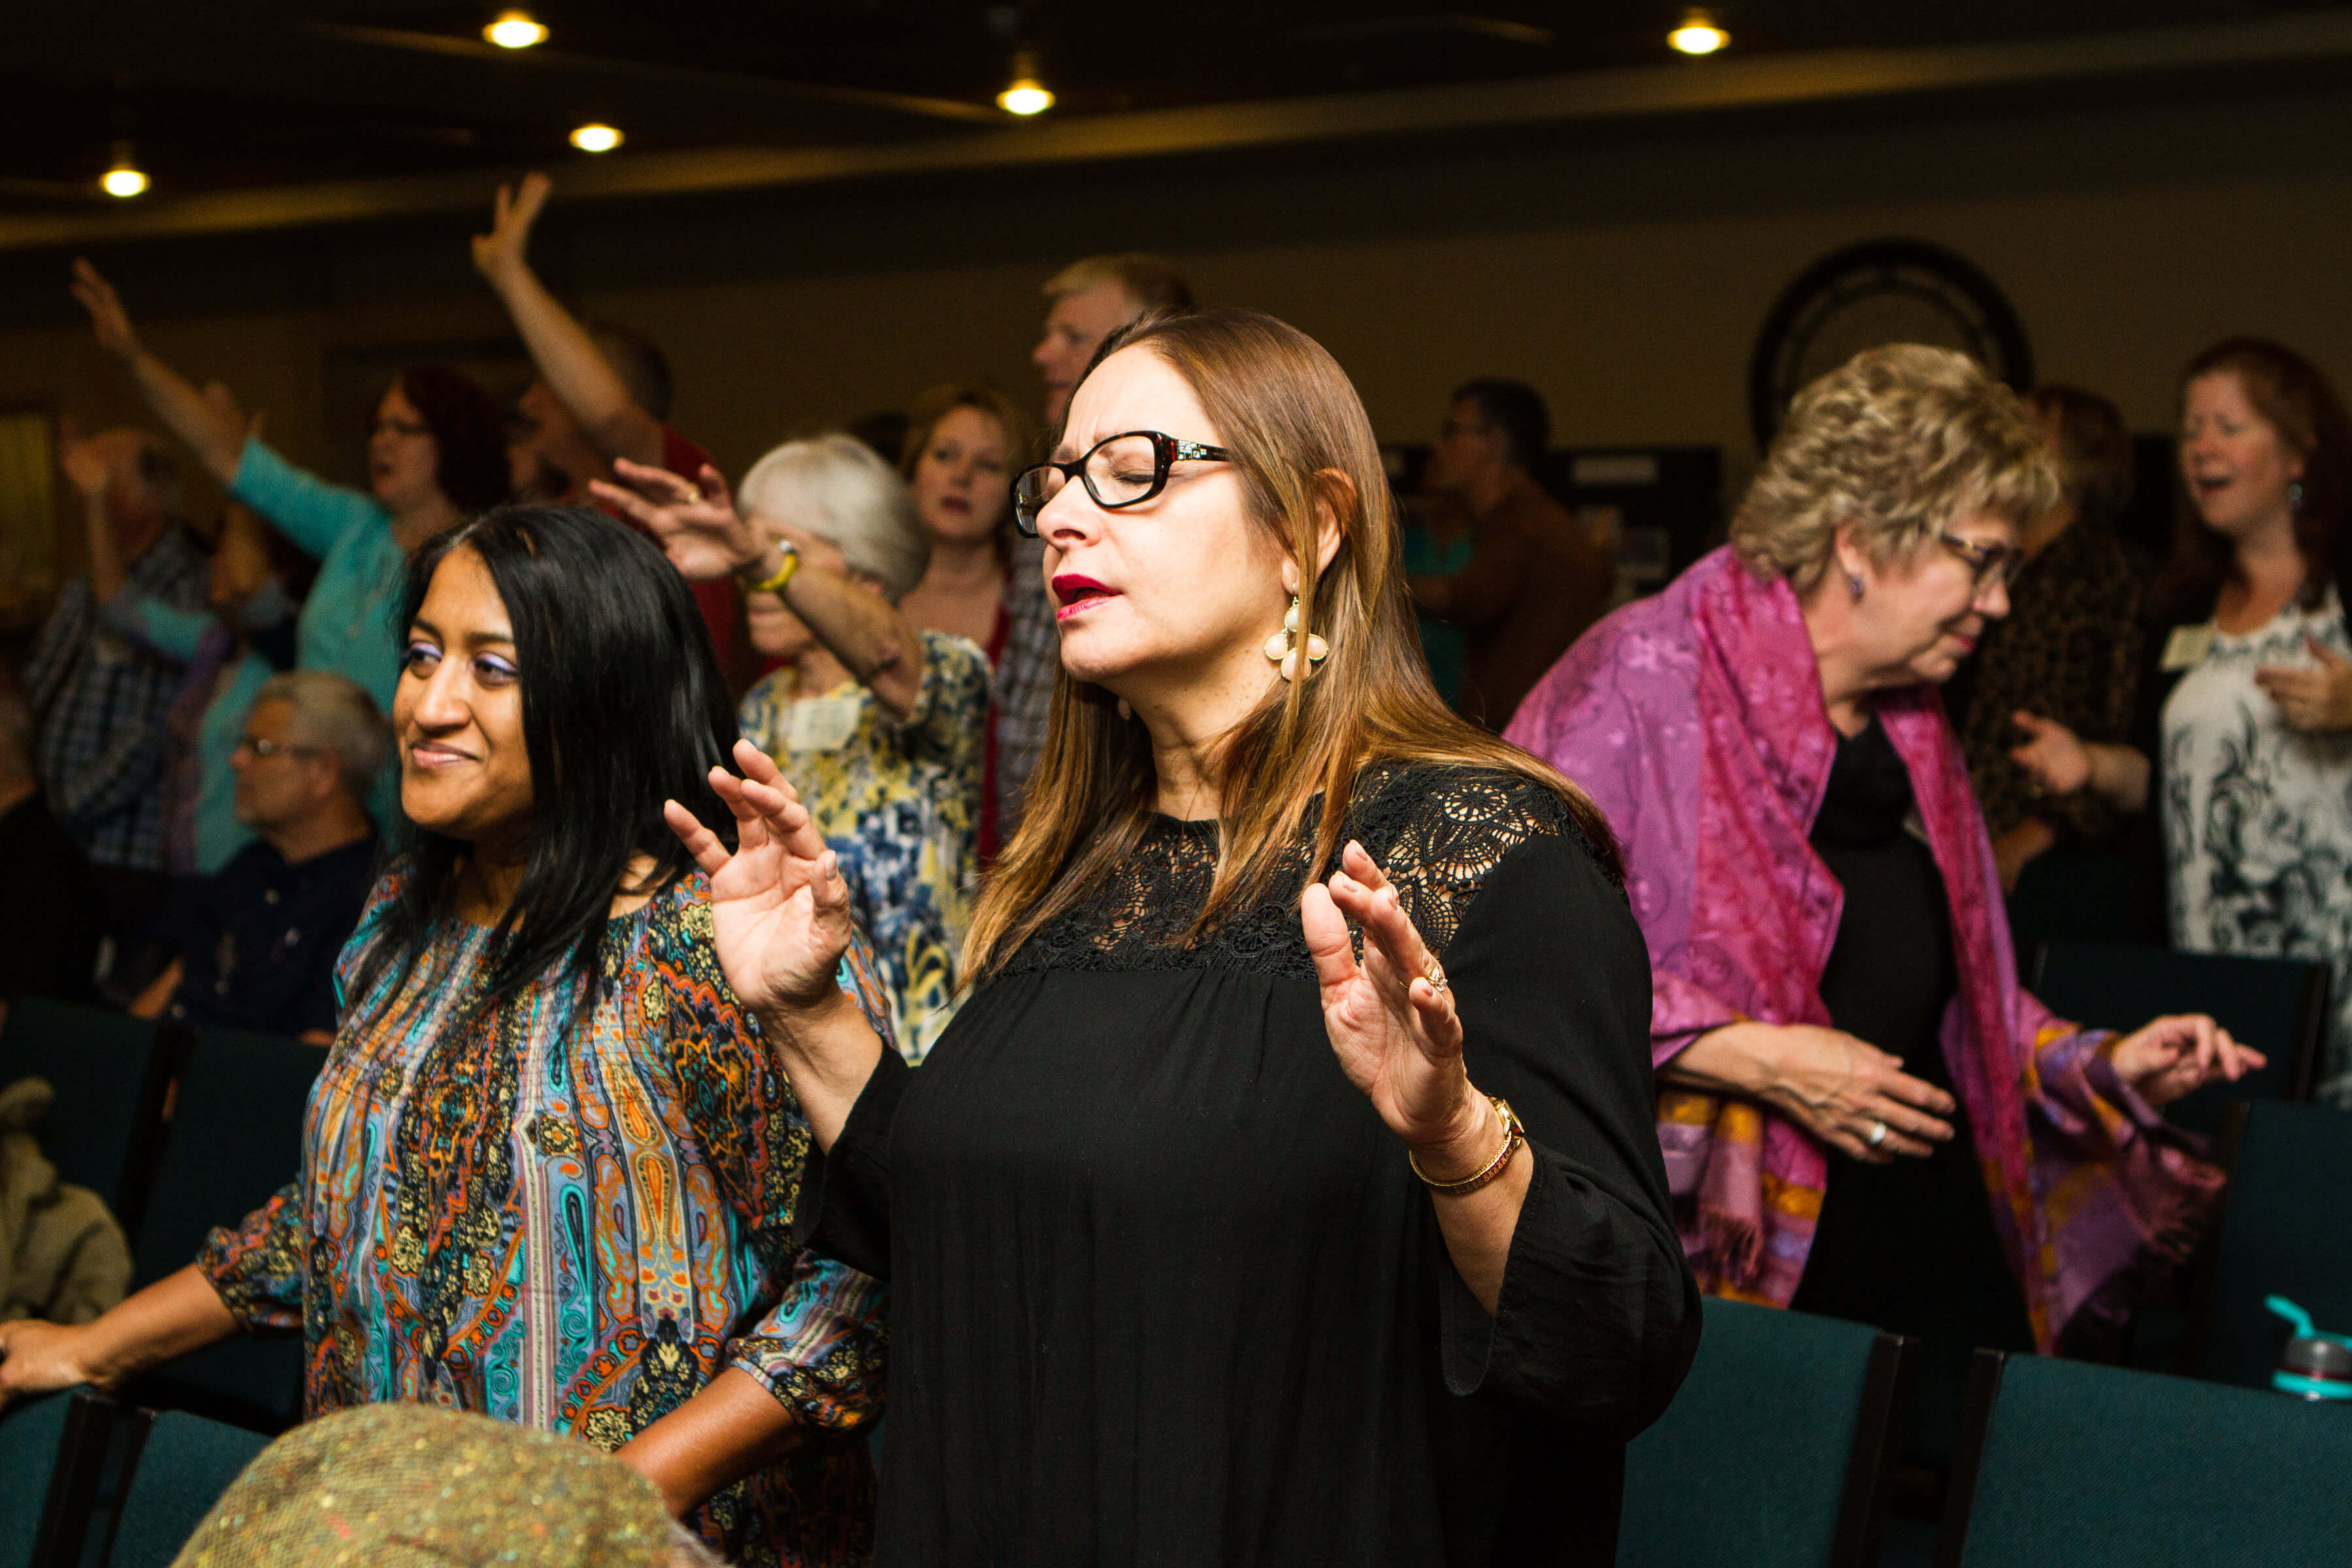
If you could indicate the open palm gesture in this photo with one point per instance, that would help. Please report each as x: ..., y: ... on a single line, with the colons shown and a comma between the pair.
x: 779, y: 909
x: 1391, y: 1017
x: 695, y: 521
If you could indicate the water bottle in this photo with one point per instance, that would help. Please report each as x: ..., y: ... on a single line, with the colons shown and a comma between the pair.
x: 2315, y: 1365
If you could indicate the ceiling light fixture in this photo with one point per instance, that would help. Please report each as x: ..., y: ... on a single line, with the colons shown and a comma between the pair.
x: 1024, y: 94
x: 1698, y: 33
x: 125, y: 179
x: 515, y: 30
x: 594, y: 137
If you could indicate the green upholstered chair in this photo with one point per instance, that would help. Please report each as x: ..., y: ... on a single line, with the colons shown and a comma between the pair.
x: 1777, y: 1452
x: 110, y: 1074
x: 235, y: 1138
x: 2285, y: 1230
x: 2277, y: 1006
x: 52, y: 1451
x: 2100, y: 1466
x: 182, y: 1468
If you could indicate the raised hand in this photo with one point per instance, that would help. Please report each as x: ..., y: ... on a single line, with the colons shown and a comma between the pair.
x: 779, y: 908
x: 696, y: 522
x: 84, y: 464
x: 2319, y: 698
x: 2057, y: 758
x: 108, y: 319
x: 501, y: 251
x: 1391, y: 1020
x: 2169, y: 1057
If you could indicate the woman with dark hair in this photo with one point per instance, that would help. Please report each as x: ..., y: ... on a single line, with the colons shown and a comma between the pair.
x: 1209, y: 1239
x: 2067, y: 654
x: 2245, y: 707
x: 436, y: 454
x: 550, y: 1171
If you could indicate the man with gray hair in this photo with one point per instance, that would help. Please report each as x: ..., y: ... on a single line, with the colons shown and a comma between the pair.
x: 1090, y: 300
x: 258, y: 940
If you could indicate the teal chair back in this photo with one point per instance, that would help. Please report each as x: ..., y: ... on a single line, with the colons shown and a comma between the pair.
x: 51, y: 1453
x: 2277, y: 1006
x: 2285, y: 1230
x: 181, y: 1469
x: 1776, y: 1452
x: 2099, y: 1467
x: 235, y: 1138
x: 110, y: 1074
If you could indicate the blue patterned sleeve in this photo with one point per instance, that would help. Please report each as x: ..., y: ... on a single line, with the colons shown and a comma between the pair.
x: 816, y: 1344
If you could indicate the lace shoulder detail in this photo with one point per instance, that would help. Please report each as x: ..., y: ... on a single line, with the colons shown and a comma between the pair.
x: 1437, y: 829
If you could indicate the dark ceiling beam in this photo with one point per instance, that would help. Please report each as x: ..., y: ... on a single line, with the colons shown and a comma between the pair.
x: 1633, y: 95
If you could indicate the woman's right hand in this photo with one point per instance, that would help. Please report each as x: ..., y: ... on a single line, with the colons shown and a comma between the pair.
x: 694, y: 520
x: 41, y: 1358
x: 2054, y: 755
x: 1838, y: 1087
x: 108, y: 319
x: 779, y: 908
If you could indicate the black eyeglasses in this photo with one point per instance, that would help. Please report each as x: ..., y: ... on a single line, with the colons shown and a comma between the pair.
x: 1119, y: 470
x: 1990, y: 563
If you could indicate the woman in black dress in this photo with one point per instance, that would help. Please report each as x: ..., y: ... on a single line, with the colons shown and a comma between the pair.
x: 1206, y: 1241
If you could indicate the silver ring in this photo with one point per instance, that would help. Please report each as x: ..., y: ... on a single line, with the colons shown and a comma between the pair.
x: 1434, y: 972
x: 1877, y: 1135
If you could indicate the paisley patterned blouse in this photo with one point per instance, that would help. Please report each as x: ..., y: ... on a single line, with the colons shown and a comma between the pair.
x: 899, y: 803
x: 573, y: 1224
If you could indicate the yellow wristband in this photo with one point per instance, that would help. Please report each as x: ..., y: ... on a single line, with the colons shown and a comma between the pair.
x: 775, y: 584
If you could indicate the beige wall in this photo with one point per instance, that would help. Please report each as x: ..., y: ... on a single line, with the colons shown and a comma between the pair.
x: 1630, y: 301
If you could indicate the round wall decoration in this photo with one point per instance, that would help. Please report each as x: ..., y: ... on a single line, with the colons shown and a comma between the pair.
x: 1880, y: 291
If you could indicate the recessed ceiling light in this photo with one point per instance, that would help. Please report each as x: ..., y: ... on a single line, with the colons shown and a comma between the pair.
x: 1024, y: 94
x: 595, y: 137
x: 125, y: 179
x: 1698, y: 33
x: 515, y: 30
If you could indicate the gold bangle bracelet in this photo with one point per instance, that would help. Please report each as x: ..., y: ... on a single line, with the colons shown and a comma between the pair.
x: 1513, y: 1136
x: 775, y: 584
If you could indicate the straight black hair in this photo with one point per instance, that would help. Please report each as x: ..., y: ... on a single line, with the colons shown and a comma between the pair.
x: 623, y: 707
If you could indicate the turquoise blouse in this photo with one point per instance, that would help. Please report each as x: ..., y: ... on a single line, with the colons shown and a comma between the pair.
x: 177, y: 635
x: 346, y: 623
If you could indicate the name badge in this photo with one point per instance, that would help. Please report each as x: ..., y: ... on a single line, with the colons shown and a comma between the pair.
x: 822, y: 723
x: 2187, y: 646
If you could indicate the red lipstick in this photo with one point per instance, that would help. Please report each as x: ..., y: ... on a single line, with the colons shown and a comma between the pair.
x: 1077, y: 593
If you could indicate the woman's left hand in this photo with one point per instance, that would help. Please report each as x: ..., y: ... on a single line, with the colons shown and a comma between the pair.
x: 2316, y: 699
x: 1392, y: 1022
x: 2167, y: 1058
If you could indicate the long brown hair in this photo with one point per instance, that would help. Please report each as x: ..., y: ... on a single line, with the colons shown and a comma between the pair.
x: 1300, y: 438
x: 2296, y: 399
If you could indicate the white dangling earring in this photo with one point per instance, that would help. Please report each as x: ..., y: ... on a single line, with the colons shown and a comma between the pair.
x: 1282, y: 648
x: 1125, y: 713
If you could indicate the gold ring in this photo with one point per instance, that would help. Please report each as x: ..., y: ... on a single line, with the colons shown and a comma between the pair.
x: 1433, y: 971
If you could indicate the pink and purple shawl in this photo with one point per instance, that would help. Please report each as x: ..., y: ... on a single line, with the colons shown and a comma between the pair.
x: 1695, y: 720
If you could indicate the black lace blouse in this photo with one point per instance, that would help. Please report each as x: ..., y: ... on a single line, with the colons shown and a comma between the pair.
x: 1163, y: 1289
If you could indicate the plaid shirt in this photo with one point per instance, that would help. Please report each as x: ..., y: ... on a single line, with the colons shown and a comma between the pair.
x: 104, y: 705
x: 1024, y: 682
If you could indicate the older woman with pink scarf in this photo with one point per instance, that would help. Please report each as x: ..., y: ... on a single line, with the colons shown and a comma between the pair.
x: 1863, y: 1113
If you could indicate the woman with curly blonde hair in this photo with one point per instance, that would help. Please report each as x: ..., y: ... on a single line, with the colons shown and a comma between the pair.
x: 1863, y: 1114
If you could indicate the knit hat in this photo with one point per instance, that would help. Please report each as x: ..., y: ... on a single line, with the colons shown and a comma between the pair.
x: 415, y: 1486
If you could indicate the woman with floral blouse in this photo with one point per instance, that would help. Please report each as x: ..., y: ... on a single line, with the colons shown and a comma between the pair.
x: 550, y: 1168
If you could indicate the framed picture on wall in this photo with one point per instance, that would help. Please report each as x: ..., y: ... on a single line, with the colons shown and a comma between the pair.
x: 29, y: 546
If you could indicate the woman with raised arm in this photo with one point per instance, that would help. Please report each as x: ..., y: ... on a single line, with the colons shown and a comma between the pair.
x: 436, y: 454
x: 550, y: 1171
x: 1213, y: 1237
